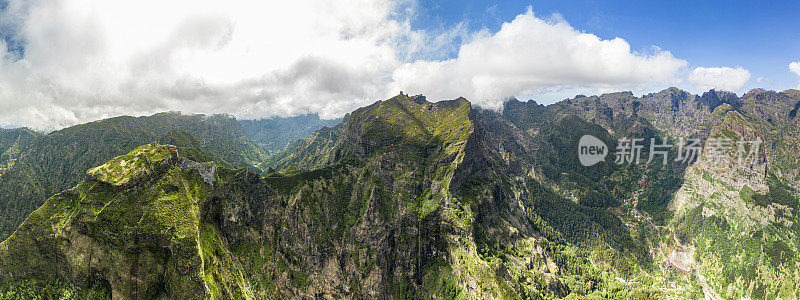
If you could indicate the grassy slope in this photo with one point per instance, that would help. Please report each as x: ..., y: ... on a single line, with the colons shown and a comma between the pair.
x: 411, y: 198
x: 402, y: 201
x: 133, y: 229
x: 740, y: 223
x: 56, y: 161
x: 12, y: 141
x: 126, y: 213
x: 475, y: 255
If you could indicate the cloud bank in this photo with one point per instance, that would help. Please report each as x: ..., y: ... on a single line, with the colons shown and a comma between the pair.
x: 720, y: 78
x: 529, y: 54
x: 85, y: 60
x: 64, y: 62
x: 795, y: 68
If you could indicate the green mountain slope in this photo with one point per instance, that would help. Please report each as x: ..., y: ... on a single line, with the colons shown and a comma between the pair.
x: 11, y: 142
x: 737, y: 224
x: 348, y: 207
x: 731, y: 225
x: 411, y: 199
x: 107, y: 234
x: 51, y: 163
x: 406, y: 200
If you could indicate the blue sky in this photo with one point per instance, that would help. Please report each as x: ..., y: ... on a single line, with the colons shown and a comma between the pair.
x: 64, y: 62
x: 761, y: 36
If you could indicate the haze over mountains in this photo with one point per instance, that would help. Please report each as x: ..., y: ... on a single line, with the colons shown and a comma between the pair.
x: 407, y: 198
x: 35, y: 166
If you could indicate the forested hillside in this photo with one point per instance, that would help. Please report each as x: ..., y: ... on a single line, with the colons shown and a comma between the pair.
x: 408, y: 198
x: 46, y: 164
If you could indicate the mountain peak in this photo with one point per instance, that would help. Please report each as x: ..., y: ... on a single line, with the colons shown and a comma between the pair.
x: 760, y: 93
x: 672, y: 91
x: 419, y: 99
x: 714, y: 98
x: 618, y: 94
x: 129, y: 169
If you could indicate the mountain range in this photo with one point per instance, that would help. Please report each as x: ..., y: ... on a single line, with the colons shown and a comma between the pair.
x: 407, y: 198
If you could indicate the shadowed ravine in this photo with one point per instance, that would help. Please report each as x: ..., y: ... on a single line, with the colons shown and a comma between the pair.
x: 407, y: 198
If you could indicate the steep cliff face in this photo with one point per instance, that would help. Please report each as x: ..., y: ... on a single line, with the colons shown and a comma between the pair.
x: 12, y: 141
x: 131, y: 227
x: 716, y: 219
x: 48, y: 164
x: 735, y: 222
x: 404, y: 198
x: 720, y: 220
x: 413, y: 199
x: 464, y: 213
x: 374, y: 216
x: 154, y: 223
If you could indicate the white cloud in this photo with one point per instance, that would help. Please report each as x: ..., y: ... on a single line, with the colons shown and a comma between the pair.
x: 720, y: 78
x: 795, y: 68
x: 530, y: 54
x: 86, y: 59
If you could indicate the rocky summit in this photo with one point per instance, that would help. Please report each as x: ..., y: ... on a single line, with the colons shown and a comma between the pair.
x: 407, y: 198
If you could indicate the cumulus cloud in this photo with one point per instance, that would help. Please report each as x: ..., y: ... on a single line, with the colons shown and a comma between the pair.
x: 720, y: 78
x: 530, y: 54
x: 85, y: 60
x: 64, y: 62
x: 795, y: 68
